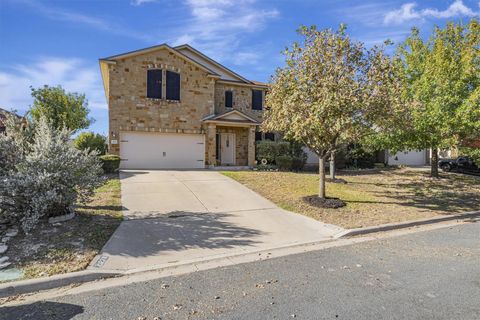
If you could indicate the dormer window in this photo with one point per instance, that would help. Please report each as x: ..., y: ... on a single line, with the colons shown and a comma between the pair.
x: 228, y: 99
x: 154, y: 84
x: 173, y: 86
x: 257, y: 100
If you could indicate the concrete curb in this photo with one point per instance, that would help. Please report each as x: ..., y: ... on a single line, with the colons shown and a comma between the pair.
x: 406, y: 224
x: 32, y: 285
x: 89, y: 275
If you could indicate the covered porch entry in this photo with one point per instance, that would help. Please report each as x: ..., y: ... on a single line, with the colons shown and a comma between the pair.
x: 230, y: 139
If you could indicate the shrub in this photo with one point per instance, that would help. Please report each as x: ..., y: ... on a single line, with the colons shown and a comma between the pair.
x: 266, y: 167
x: 46, y: 177
x: 283, y: 148
x: 358, y: 157
x: 266, y: 150
x: 91, y: 141
x: 273, y: 151
x: 298, y: 163
x: 110, y: 163
x: 284, y: 163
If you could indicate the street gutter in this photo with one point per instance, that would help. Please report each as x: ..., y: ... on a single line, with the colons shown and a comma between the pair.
x: 90, y: 275
x: 406, y: 224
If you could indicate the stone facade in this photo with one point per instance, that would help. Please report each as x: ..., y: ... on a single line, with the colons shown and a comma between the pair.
x: 200, y: 96
x: 242, y: 99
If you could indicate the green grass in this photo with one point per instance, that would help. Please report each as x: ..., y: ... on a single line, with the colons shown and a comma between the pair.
x: 372, y: 198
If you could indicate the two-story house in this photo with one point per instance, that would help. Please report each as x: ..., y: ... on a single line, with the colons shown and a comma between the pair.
x: 174, y: 107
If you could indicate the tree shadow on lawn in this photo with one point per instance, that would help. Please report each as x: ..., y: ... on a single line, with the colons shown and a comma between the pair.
x: 450, y: 194
x: 179, y: 231
x: 42, y: 310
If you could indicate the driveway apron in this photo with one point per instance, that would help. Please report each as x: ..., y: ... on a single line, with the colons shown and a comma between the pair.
x: 174, y: 217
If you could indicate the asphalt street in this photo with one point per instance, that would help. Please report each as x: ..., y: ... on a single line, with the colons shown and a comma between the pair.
x: 426, y: 275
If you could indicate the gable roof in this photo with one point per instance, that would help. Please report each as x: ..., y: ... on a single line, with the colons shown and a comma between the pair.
x: 4, y: 113
x: 186, y: 52
x: 201, y: 58
x: 231, y: 117
x: 162, y: 46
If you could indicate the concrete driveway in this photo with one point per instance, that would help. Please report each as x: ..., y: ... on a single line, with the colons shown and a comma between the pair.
x: 178, y: 217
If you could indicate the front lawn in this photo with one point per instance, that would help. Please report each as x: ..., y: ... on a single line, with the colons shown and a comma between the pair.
x: 372, y: 198
x: 70, y: 245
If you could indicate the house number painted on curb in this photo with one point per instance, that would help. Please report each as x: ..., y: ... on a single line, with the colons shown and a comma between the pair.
x: 101, y: 261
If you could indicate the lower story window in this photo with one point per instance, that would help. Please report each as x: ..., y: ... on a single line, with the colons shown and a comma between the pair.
x: 217, y: 146
x: 270, y: 136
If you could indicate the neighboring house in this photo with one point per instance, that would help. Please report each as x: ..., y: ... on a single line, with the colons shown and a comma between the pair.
x: 409, y: 158
x: 418, y: 157
x: 174, y: 107
x: 3, y: 116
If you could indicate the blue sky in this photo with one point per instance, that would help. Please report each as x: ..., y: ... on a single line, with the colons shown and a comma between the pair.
x: 60, y: 42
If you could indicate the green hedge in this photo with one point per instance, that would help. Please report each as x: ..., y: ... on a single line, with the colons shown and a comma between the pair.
x: 284, y: 163
x: 266, y: 150
x: 110, y: 163
x: 286, y: 155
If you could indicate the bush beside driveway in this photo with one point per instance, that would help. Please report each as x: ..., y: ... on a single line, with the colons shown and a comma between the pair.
x: 71, y: 245
x: 373, y: 198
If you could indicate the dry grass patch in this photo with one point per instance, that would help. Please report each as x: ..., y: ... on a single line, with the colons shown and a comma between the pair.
x: 372, y: 198
x: 69, y: 246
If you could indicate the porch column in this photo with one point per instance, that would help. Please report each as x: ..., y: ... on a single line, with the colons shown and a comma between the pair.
x: 251, y: 146
x: 211, y: 145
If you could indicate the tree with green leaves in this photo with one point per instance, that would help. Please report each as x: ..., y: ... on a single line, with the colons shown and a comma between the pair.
x: 91, y: 141
x: 441, y: 78
x: 332, y: 90
x: 63, y: 110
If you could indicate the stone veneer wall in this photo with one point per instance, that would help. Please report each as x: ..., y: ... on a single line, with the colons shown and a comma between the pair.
x: 131, y: 110
x: 242, y: 99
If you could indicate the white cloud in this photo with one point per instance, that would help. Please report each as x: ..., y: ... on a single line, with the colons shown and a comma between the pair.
x: 140, y: 2
x: 455, y: 9
x: 216, y: 27
x: 405, y: 13
x: 73, y: 74
x: 408, y: 12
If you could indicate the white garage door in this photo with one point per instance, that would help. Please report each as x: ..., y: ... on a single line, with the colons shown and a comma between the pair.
x: 140, y: 150
x: 408, y: 158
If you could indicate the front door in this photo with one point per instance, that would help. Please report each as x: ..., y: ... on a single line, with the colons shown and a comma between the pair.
x: 227, y: 148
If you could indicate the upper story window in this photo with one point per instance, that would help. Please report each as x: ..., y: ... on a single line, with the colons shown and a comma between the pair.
x: 154, y: 84
x: 173, y: 86
x: 257, y: 101
x: 228, y: 99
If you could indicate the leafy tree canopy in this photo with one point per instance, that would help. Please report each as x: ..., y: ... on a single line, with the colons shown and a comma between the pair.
x: 61, y: 109
x: 441, y: 78
x: 91, y: 141
x: 332, y: 90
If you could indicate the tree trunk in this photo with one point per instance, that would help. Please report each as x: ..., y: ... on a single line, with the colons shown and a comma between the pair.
x: 321, y: 181
x: 332, y: 165
x: 434, y: 163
